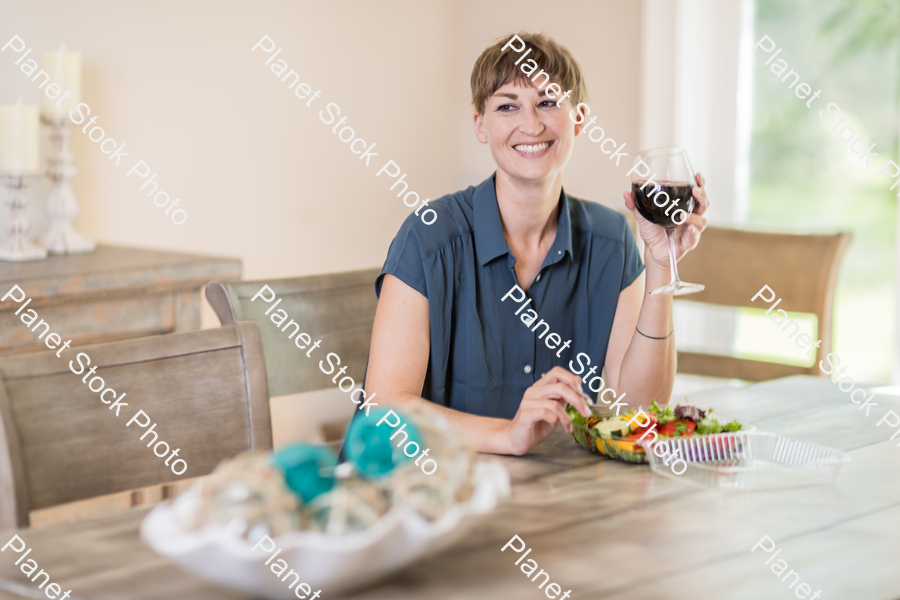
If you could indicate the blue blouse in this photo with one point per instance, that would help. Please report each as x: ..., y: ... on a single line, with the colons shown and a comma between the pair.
x: 483, y: 355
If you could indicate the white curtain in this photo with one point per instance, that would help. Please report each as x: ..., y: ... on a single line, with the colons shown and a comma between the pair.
x: 696, y: 93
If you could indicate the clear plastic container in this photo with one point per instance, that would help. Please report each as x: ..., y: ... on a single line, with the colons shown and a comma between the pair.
x: 749, y: 460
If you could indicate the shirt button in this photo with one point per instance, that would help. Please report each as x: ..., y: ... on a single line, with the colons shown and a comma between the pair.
x: 527, y: 369
x: 538, y: 277
x: 559, y: 251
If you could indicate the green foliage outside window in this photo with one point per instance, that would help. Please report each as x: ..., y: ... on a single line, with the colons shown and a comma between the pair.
x: 804, y: 179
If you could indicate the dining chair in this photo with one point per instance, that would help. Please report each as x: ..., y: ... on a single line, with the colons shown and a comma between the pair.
x: 59, y: 442
x: 337, y: 308
x: 735, y: 264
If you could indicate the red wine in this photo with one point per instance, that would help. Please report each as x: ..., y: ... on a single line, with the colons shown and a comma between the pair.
x: 645, y: 200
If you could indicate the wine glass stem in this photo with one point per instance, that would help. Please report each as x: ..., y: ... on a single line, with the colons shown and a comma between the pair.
x: 673, y: 264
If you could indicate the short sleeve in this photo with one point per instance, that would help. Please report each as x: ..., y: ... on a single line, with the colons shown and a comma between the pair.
x: 405, y: 260
x: 634, y: 266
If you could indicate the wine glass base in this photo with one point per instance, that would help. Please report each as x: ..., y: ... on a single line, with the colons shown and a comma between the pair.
x: 679, y: 288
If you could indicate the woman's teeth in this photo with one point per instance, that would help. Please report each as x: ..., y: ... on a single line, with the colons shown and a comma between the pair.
x: 532, y: 148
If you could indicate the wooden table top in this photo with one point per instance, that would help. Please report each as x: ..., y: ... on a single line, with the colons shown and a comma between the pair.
x: 601, y: 528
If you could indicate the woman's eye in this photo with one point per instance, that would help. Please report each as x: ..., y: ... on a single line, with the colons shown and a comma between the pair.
x: 506, y: 108
x: 545, y: 103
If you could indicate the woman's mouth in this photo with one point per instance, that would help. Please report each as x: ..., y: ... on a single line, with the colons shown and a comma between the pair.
x: 533, y: 150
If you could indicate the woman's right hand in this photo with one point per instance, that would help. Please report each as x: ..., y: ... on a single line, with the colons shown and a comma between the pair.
x: 544, y: 406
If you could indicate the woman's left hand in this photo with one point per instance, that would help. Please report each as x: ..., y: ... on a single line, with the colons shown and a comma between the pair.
x: 686, y: 235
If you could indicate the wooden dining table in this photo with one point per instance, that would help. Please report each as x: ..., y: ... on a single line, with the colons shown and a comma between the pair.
x: 599, y: 527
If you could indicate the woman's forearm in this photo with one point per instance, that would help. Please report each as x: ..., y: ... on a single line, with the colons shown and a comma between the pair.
x: 648, y: 369
x: 484, y: 434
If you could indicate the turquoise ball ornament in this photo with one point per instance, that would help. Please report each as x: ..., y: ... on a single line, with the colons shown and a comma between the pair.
x: 308, y: 470
x: 369, y: 447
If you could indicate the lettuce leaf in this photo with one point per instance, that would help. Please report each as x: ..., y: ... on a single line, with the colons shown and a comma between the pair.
x: 708, y: 426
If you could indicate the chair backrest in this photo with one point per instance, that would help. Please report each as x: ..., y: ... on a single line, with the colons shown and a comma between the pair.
x: 337, y: 308
x: 735, y: 264
x: 205, y: 391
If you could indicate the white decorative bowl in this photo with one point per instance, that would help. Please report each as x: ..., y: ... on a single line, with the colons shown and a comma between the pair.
x: 326, y: 562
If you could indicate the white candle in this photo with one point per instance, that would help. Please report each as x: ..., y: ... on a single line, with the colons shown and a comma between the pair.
x: 65, y: 71
x: 19, y: 139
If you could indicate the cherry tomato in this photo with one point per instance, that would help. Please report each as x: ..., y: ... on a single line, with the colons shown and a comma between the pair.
x: 654, y: 420
x: 669, y: 429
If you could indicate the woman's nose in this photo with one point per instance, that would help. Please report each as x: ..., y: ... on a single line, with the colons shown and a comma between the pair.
x: 531, y: 122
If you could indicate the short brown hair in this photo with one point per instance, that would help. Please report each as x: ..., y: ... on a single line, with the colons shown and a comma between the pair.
x: 495, y: 68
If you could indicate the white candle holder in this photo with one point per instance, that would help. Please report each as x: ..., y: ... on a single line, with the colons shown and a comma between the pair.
x: 18, y: 247
x: 62, y: 205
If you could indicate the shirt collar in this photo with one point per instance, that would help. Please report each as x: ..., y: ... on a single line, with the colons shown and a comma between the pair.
x: 489, y: 239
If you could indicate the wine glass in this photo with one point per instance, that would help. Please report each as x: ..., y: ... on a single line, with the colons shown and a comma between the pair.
x: 664, y: 196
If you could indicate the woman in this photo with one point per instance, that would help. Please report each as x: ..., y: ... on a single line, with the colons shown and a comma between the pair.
x: 447, y: 335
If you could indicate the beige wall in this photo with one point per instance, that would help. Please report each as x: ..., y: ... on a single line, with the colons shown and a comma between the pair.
x: 261, y: 177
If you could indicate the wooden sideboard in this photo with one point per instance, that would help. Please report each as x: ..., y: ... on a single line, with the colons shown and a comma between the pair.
x: 112, y: 293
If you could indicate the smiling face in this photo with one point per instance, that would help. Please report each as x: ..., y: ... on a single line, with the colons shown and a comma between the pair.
x: 530, y: 138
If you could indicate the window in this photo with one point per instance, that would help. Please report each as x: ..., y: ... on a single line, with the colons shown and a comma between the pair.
x: 804, y: 179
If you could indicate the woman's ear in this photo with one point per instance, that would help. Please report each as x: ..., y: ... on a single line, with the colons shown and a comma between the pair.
x: 579, y: 127
x: 479, y: 127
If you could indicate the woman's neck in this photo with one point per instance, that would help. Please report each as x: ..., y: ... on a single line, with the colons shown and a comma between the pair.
x: 528, y: 211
